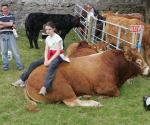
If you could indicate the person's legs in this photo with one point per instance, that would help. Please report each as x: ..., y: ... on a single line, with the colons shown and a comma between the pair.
x: 32, y: 66
x: 4, y: 50
x: 51, y: 72
x: 25, y: 75
x: 50, y: 75
x: 13, y: 46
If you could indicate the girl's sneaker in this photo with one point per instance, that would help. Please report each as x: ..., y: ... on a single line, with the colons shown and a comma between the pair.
x: 19, y: 82
x: 42, y: 91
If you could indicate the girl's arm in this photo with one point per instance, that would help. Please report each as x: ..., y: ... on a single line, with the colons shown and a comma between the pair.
x: 58, y: 47
x: 45, y: 55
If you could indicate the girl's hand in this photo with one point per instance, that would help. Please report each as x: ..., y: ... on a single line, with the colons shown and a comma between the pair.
x: 46, y: 63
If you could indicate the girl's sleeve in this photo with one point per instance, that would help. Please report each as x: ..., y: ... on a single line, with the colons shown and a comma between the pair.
x: 59, y: 39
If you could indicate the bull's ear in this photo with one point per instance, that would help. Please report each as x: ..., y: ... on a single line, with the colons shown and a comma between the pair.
x: 83, y: 44
x: 128, y: 54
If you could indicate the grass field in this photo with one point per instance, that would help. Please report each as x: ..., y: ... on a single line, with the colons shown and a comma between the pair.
x: 124, y: 110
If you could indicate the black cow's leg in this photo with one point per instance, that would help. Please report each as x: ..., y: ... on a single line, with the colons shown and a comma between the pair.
x: 63, y: 35
x: 30, y: 41
x: 36, y: 44
x: 36, y: 41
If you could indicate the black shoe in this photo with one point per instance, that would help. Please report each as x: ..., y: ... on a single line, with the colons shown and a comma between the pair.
x: 20, y: 68
x: 5, y: 68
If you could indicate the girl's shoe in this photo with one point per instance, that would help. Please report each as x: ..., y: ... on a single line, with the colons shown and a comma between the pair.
x: 42, y: 91
x: 19, y: 82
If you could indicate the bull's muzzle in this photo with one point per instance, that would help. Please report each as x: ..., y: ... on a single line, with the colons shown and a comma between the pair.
x: 146, y: 70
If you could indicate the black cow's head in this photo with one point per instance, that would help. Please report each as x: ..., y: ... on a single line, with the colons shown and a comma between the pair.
x: 76, y: 21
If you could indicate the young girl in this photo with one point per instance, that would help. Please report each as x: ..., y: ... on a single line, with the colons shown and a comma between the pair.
x: 53, y: 56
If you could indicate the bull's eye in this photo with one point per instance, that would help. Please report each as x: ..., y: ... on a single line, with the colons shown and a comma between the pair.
x: 139, y: 61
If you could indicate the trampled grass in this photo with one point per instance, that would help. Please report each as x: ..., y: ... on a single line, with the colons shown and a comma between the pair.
x: 124, y: 110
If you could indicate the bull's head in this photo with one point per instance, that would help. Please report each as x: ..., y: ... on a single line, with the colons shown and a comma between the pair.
x: 132, y: 55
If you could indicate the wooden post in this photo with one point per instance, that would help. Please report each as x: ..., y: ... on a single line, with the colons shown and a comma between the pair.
x: 94, y: 30
x: 90, y: 25
x: 118, y: 38
x: 147, y: 11
x: 103, y: 31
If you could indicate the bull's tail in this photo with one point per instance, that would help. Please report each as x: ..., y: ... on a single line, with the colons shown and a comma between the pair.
x: 32, y: 105
x: 26, y: 29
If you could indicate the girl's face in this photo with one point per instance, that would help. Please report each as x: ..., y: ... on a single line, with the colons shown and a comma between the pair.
x: 49, y: 30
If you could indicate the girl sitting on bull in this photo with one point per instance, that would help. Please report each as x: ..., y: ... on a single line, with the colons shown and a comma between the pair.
x: 53, y: 56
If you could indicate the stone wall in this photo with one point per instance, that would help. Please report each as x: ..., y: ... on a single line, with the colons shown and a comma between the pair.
x: 21, y: 8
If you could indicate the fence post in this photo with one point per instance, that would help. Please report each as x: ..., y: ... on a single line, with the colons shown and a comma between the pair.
x: 118, y: 38
x: 103, y: 31
x: 89, y: 30
x: 93, y: 29
x: 133, y: 40
x: 140, y: 39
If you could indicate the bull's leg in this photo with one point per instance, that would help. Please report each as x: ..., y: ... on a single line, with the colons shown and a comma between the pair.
x: 85, y: 96
x: 78, y: 102
x: 108, y: 89
x: 70, y: 98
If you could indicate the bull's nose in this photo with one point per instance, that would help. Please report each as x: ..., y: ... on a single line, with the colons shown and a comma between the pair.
x: 146, y: 70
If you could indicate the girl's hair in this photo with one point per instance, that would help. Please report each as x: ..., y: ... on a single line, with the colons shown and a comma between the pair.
x: 51, y: 24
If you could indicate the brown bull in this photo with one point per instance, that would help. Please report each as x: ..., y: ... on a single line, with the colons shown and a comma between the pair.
x: 97, y: 74
x: 127, y: 35
x: 138, y: 16
x: 82, y: 48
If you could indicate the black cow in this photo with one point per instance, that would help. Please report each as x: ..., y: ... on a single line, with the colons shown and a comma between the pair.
x: 35, y: 21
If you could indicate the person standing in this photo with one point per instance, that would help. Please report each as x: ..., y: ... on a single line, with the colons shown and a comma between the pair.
x: 7, y: 38
x: 91, y: 12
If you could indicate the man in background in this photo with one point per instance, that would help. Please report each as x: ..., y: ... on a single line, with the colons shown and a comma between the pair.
x: 7, y: 38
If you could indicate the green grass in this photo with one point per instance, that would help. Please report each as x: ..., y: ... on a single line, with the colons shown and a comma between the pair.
x: 124, y: 110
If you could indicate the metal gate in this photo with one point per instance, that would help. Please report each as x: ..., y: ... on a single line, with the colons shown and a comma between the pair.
x: 134, y: 39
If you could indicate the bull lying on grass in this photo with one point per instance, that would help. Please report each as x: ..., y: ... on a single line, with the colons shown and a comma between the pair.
x: 97, y: 74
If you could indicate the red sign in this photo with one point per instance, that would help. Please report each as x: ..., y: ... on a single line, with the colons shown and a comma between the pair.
x: 136, y: 28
